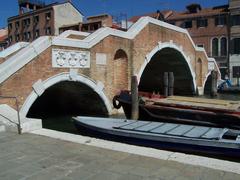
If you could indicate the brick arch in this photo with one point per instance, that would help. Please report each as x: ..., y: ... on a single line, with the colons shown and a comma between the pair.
x: 162, y: 46
x: 120, y: 65
x: 97, y: 87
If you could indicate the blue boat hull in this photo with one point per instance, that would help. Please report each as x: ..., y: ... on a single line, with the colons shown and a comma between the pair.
x: 211, y: 151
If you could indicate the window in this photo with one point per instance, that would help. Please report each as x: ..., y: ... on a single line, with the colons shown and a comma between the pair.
x: 200, y: 45
x: 48, y: 31
x: 223, y: 46
x: 26, y: 22
x: 17, y: 37
x: 17, y: 24
x: 187, y: 24
x: 36, y: 34
x: 48, y: 16
x: 202, y: 22
x: 235, y: 46
x: 236, y: 71
x: 28, y: 36
x: 25, y: 36
x: 10, y: 39
x: 215, y: 47
x: 10, y: 26
x: 220, y: 20
x: 235, y: 20
x: 36, y: 19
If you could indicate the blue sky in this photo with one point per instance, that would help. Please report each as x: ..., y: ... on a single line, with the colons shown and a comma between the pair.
x: 114, y: 7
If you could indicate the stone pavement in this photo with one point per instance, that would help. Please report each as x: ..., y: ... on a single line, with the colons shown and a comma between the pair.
x: 30, y: 156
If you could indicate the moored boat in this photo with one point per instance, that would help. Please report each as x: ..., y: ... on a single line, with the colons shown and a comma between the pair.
x: 172, y: 136
x: 190, y: 110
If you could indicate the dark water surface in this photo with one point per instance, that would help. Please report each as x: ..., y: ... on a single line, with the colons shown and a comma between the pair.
x: 65, y: 123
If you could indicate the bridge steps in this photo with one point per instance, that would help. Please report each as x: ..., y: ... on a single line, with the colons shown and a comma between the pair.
x: 9, y: 118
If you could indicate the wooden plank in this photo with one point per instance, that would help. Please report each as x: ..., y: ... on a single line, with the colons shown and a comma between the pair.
x: 195, y: 102
x: 179, y: 131
x: 197, y: 132
x: 213, y: 133
x: 134, y: 125
x: 148, y: 127
x: 126, y: 124
x: 162, y: 129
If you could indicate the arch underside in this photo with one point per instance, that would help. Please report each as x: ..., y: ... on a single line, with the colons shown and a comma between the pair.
x: 68, y: 98
x: 167, y: 60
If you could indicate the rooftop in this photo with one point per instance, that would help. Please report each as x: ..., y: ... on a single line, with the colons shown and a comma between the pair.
x: 166, y: 14
x: 204, y: 12
x: 188, y: 13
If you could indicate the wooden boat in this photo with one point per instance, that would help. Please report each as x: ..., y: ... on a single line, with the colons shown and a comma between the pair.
x: 210, y: 112
x: 178, y: 137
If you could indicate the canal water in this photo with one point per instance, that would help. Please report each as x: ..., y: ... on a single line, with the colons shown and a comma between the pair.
x: 65, y: 123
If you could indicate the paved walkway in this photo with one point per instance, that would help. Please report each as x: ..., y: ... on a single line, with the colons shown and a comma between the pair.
x: 30, y: 156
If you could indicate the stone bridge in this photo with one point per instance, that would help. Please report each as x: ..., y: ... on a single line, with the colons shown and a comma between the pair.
x: 80, y: 72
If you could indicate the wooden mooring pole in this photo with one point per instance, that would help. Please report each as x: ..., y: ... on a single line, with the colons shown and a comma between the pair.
x: 170, y: 83
x: 165, y: 84
x: 214, y: 83
x: 134, y: 95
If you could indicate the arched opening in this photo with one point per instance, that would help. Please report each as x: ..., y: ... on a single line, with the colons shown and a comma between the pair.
x: 167, y: 60
x: 60, y: 102
x: 215, y: 47
x: 63, y: 97
x: 68, y: 98
x: 120, y: 70
x: 223, y: 46
x: 199, y: 72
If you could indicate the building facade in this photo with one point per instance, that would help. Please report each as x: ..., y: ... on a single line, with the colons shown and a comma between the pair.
x: 216, y: 29
x: 3, y: 38
x: 37, y: 19
x: 208, y: 28
x: 234, y: 8
x: 91, y: 24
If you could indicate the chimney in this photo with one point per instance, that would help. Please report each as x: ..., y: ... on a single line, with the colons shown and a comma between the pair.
x: 21, y: 11
x: 27, y: 7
